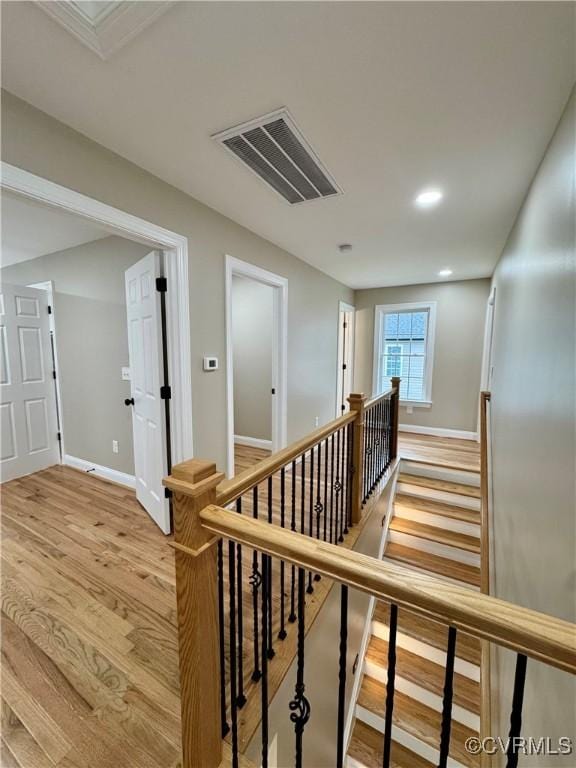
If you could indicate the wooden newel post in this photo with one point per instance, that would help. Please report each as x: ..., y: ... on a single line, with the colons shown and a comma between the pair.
x: 395, y: 381
x: 197, y: 602
x: 357, y: 402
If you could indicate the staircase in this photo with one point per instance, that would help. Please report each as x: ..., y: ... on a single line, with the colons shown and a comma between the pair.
x: 435, y: 530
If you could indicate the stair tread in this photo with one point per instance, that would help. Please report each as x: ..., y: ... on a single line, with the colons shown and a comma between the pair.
x: 437, y: 508
x: 417, y: 719
x: 442, y: 566
x: 431, y: 632
x: 426, y: 674
x: 367, y: 747
x: 446, y: 486
x: 434, y: 533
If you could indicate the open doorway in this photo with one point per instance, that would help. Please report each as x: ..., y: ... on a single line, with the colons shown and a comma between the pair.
x: 102, y: 356
x: 345, y: 369
x: 256, y: 352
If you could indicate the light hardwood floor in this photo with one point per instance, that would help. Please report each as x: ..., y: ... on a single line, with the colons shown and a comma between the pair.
x: 444, y: 451
x: 89, y: 645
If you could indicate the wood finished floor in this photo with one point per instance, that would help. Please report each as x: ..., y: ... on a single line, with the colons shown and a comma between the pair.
x: 446, y: 451
x: 89, y: 645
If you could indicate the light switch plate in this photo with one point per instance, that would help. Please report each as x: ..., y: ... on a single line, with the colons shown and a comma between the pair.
x: 125, y: 373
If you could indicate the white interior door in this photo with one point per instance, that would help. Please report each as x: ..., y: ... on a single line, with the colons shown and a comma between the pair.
x: 148, y: 416
x: 27, y: 392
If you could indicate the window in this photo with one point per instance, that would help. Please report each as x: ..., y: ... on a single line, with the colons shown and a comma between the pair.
x: 403, y: 346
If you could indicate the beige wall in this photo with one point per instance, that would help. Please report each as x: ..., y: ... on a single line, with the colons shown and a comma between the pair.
x: 533, y: 426
x: 90, y: 317
x: 36, y: 142
x: 252, y: 327
x: 460, y: 317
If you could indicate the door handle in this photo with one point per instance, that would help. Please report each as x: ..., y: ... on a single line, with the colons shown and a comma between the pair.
x: 129, y: 401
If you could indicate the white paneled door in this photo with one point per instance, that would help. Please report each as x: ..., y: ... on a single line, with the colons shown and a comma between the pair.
x: 29, y: 434
x: 146, y: 365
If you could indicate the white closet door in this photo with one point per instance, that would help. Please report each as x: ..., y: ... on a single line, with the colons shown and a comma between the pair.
x: 29, y: 425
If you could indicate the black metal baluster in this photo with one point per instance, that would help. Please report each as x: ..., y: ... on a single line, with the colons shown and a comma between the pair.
x: 390, y: 685
x: 282, y: 632
x: 299, y: 706
x: 325, y: 487
x: 447, y: 699
x: 345, y: 436
x: 365, y: 452
x: 337, y: 489
x: 342, y: 674
x: 223, y: 721
x: 331, y: 526
x: 516, y: 714
x: 318, y: 506
x: 310, y: 588
x: 232, y: 627
x: 341, y: 470
x: 350, y: 471
x: 270, y: 646
x: 241, y: 698
x: 292, y: 614
x: 264, y: 683
x: 255, y: 582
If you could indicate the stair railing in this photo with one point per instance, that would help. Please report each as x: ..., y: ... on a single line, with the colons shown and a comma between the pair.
x: 528, y: 633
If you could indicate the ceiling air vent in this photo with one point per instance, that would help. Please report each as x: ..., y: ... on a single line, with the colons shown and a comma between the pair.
x: 274, y: 148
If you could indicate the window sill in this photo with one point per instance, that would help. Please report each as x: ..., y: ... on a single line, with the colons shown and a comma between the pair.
x: 416, y: 403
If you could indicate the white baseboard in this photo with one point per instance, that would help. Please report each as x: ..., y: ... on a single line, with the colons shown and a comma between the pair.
x: 253, y: 442
x: 438, y: 432
x: 104, y: 472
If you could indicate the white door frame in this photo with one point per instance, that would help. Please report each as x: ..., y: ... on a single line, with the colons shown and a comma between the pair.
x: 486, y: 370
x: 175, y: 246
x: 344, y: 307
x: 279, y: 352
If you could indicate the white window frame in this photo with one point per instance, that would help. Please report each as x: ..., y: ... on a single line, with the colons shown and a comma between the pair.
x: 384, y: 309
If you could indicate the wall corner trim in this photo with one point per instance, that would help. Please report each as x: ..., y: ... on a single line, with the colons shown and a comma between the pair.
x: 106, y: 473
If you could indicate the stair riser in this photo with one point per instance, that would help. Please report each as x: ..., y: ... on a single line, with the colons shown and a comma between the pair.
x: 428, y: 572
x: 455, y: 499
x: 404, y: 738
x: 438, y: 521
x: 434, y: 548
x: 441, y: 473
x: 422, y: 695
x: 429, y: 652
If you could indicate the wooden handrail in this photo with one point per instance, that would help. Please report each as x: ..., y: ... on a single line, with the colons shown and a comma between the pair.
x: 370, y: 403
x: 484, y: 516
x: 542, y: 637
x: 231, y: 489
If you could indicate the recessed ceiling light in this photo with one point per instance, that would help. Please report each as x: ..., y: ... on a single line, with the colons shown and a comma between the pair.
x: 445, y: 272
x: 428, y: 198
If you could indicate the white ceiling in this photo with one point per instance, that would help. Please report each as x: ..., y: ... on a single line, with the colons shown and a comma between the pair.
x: 393, y: 97
x: 30, y: 230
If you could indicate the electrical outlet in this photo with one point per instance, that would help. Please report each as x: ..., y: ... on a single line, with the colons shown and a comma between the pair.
x: 316, y: 421
x: 114, y: 446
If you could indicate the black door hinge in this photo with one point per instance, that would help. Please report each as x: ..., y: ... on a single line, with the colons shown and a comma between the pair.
x: 161, y: 284
x: 53, y: 374
x: 273, y: 391
x: 345, y: 325
x: 167, y: 493
x: 59, y: 437
x: 49, y: 309
x: 165, y: 392
x: 344, y: 367
x: 355, y: 665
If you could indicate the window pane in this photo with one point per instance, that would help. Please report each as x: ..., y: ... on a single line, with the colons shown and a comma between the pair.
x: 403, y: 352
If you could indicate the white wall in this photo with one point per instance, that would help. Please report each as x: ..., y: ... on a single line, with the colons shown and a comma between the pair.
x: 533, y: 428
x: 36, y: 142
x: 90, y: 317
x: 252, y: 331
x: 460, y: 316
